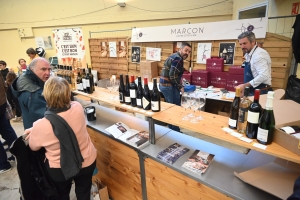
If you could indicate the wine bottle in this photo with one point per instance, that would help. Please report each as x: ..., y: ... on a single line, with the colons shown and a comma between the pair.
x: 155, y: 97
x: 79, y: 82
x: 290, y: 129
x: 127, y: 91
x: 121, y: 90
x: 89, y: 88
x: 146, y: 96
x: 243, y: 111
x: 133, y: 89
x: 234, y: 109
x: 253, y: 116
x: 92, y: 78
x: 83, y: 80
x: 72, y: 78
x: 139, y: 93
x: 266, y: 124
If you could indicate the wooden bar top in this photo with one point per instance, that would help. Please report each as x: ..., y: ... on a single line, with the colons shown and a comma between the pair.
x: 102, y: 94
x: 212, y: 126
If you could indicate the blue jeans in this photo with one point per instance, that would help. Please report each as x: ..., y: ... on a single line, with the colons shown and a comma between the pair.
x: 9, y: 135
x: 172, y: 95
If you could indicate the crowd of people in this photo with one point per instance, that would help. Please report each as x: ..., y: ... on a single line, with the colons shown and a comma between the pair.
x: 44, y: 105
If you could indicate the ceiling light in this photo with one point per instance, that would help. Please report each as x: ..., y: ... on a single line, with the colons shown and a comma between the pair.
x: 123, y: 4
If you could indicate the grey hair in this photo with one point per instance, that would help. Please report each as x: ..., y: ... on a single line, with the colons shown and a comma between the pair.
x: 33, y: 63
x: 248, y: 34
x: 184, y: 44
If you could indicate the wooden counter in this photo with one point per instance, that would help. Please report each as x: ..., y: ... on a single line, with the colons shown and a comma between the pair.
x: 212, y: 126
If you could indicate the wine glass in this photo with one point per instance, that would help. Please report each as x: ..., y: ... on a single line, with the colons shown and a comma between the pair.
x: 116, y: 89
x: 196, y: 104
x: 191, y: 102
x: 185, y: 103
x: 202, y: 100
x: 109, y: 85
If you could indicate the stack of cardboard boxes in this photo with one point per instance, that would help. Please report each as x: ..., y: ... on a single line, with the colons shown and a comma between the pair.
x: 148, y: 69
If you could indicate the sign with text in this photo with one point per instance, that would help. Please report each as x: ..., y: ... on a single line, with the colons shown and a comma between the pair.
x: 223, y: 30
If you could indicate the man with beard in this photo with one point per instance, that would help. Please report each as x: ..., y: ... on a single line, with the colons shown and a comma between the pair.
x: 257, y: 71
x: 170, y: 77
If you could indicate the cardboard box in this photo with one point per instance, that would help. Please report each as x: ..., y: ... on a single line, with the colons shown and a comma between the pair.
x: 285, y: 140
x: 215, y: 64
x: 148, y: 65
x: 276, y: 178
x: 187, y: 77
x: 236, y: 70
x: 218, y: 79
x: 200, y: 78
x: 233, y: 80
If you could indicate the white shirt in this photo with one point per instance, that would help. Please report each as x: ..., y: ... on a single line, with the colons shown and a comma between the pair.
x: 260, y: 66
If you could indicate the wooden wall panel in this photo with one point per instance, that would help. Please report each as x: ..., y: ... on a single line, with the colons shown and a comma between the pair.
x: 165, y: 183
x: 118, y: 167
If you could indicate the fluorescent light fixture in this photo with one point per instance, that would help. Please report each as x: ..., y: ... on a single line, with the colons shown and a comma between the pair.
x: 123, y: 4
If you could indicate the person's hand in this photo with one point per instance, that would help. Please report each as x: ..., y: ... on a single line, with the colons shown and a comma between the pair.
x: 182, y: 90
x: 242, y: 88
x: 27, y: 132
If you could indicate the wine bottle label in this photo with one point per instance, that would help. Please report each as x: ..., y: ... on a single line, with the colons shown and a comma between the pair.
x: 132, y: 93
x: 253, y: 117
x: 288, y: 129
x: 145, y: 102
x: 121, y: 96
x: 232, y: 122
x: 87, y: 83
x: 262, y: 134
x: 154, y: 105
x: 139, y: 102
x: 83, y: 84
x: 242, y: 114
x: 79, y: 86
x: 127, y: 99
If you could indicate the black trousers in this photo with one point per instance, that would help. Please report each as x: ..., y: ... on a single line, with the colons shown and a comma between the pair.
x: 83, y: 182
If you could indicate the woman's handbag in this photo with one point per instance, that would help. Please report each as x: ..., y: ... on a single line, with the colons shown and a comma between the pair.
x: 9, y: 113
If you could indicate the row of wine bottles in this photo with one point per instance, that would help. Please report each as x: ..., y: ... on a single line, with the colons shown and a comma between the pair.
x: 65, y: 72
x: 137, y: 96
x: 85, y: 81
x: 249, y: 118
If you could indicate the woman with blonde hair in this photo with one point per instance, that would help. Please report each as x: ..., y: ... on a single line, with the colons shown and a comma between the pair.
x: 70, y: 154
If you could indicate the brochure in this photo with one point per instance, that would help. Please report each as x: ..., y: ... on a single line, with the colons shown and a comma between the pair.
x: 198, y: 162
x: 119, y: 129
x: 172, y: 153
x: 139, y: 138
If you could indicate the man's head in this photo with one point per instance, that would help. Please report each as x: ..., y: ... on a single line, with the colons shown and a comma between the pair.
x: 22, y: 61
x: 2, y: 64
x: 41, y: 68
x: 31, y: 53
x: 247, y: 41
x: 184, y: 50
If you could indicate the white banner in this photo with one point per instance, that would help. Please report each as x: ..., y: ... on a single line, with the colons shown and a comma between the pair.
x: 223, y: 30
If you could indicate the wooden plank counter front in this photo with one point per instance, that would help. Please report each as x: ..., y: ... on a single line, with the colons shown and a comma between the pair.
x: 212, y: 126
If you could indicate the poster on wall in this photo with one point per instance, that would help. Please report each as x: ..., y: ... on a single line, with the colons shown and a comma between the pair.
x: 153, y: 54
x: 69, y: 45
x: 135, y: 54
x: 44, y: 42
x: 112, y: 49
x: 226, y: 51
x: 122, y: 49
x: 103, y: 52
x: 203, y: 52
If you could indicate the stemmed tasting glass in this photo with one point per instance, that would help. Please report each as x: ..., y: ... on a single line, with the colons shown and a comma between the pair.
x: 202, y: 100
x: 116, y: 89
x: 185, y: 103
x: 195, y: 106
x: 191, y: 102
x: 109, y: 85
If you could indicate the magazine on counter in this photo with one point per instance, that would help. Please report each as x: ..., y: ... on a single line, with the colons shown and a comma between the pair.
x: 172, y: 153
x: 199, y: 161
x: 134, y: 137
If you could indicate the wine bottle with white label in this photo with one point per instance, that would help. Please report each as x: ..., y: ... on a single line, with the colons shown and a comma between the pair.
x: 155, y: 97
x: 127, y: 91
x: 243, y: 112
x: 234, y: 109
x: 266, y: 125
x: 253, y: 116
x: 132, y: 89
x: 121, y: 90
x: 290, y: 129
x: 146, y: 96
x: 139, y: 93
x: 79, y: 82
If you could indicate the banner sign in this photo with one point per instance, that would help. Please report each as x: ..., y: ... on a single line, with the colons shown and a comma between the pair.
x: 222, y: 30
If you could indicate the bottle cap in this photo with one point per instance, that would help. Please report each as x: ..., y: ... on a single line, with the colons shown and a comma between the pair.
x: 145, y: 81
x: 131, y: 78
x: 270, y: 95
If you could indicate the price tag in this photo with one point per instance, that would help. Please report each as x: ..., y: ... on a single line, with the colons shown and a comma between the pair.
x: 143, y: 111
x: 135, y: 109
x: 235, y: 134
x: 227, y: 130
x: 261, y: 146
x: 149, y: 113
x: 248, y: 140
x: 124, y: 105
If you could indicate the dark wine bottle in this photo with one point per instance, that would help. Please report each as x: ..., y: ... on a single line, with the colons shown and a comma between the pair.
x: 139, y: 93
x: 155, y: 97
x: 133, y: 89
x: 266, y: 124
x: 121, y: 90
x: 243, y: 111
x: 79, y: 82
x: 253, y: 116
x: 83, y: 80
x: 234, y: 109
x: 290, y: 129
x: 89, y: 88
x: 127, y: 91
x: 146, y: 96
x: 92, y: 78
